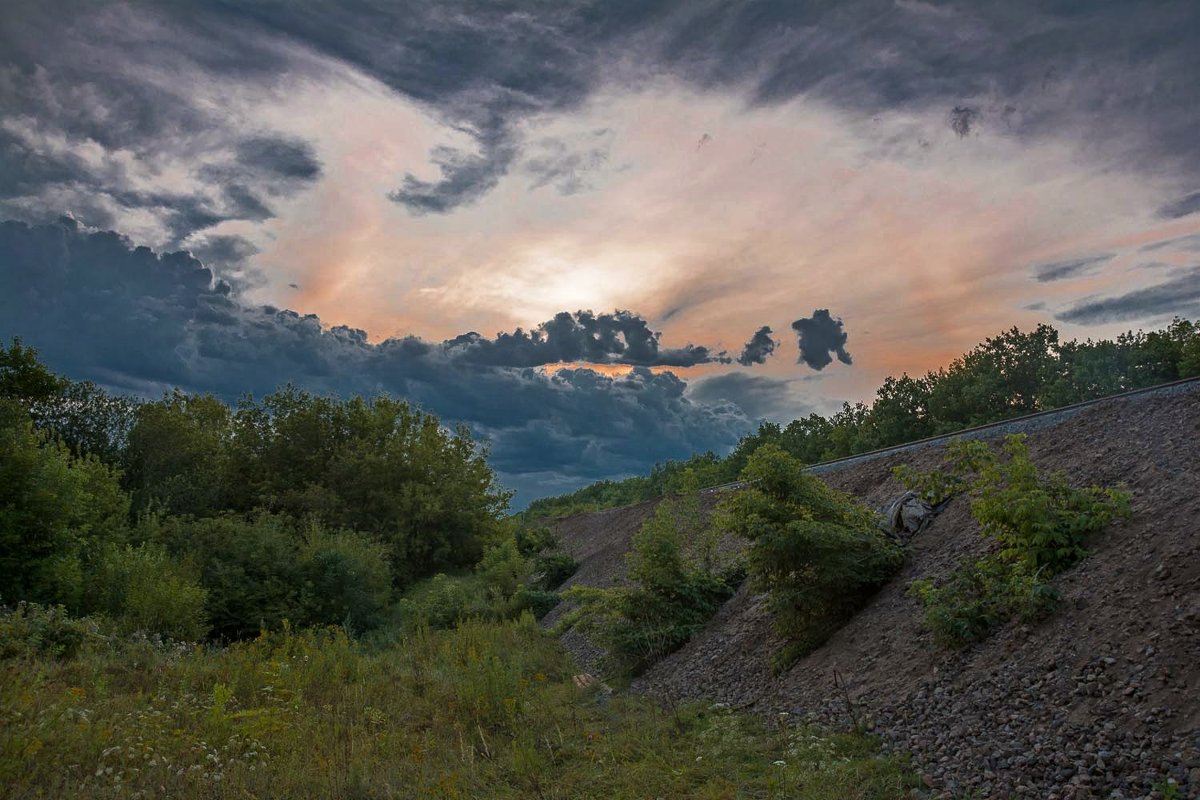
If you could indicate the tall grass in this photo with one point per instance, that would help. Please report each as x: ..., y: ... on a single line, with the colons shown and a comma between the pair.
x: 483, y: 710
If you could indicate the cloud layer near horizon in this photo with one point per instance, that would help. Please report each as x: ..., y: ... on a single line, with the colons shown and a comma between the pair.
x: 99, y: 308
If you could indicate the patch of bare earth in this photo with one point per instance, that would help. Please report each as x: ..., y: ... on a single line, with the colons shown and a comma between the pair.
x: 1100, y: 700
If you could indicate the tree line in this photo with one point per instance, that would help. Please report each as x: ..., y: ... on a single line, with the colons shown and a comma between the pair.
x: 1005, y: 376
x: 188, y: 516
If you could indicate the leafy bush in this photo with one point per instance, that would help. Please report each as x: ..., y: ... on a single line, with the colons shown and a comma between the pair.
x: 1041, y: 524
x: 251, y: 568
x: 934, y: 487
x: 144, y: 589
x: 669, y: 596
x: 816, y: 552
x: 346, y: 579
x: 30, y: 631
x: 515, y: 575
x: 979, y: 597
x: 55, y: 508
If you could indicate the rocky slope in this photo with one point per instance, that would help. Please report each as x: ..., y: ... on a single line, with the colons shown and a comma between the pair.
x: 1100, y: 700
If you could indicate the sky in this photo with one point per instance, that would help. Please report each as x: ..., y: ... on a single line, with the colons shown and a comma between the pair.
x: 600, y: 233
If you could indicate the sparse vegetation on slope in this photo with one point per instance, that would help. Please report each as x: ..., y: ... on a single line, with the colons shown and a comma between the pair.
x: 674, y: 585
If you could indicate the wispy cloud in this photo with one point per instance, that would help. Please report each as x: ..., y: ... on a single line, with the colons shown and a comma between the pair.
x: 1180, y: 295
x: 1073, y: 268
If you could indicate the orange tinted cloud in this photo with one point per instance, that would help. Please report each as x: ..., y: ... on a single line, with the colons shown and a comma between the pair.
x: 920, y: 240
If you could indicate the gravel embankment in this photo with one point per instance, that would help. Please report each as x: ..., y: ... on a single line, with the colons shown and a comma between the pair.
x: 1100, y: 700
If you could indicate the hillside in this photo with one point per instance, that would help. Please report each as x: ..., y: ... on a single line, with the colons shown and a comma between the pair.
x: 1099, y: 700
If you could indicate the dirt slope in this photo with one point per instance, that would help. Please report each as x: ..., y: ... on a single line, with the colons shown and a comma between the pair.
x: 1101, y: 700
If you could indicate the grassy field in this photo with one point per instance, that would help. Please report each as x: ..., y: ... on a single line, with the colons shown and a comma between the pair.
x: 485, y: 710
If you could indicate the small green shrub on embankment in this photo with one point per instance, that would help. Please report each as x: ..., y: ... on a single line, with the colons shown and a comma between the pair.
x: 1040, y: 522
x: 816, y: 552
x: 674, y: 586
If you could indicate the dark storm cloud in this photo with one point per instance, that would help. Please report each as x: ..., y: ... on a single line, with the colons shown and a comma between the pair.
x: 760, y: 346
x: 1180, y: 295
x: 759, y: 397
x: 481, y: 67
x: 465, y: 176
x: 99, y: 308
x: 1061, y: 270
x: 618, y: 338
x: 1108, y: 72
x: 1181, y: 207
x: 224, y: 250
x: 110, y: 80
x: 963, y: 120
x: 287, y: 158
x: 821, y: 336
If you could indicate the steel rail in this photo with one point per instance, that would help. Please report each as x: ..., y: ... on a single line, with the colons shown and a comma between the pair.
x: 930, y: 440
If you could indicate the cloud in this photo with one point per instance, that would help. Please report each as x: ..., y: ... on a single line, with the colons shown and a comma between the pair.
x: 821, y: 336
x: 226, y: 250
x: 759, y: 397
x: 963, y: 120
x: 1060, y: 270
x: 568, y: 166
x: 1188, y: 243
x: 279, y: 156
x: 1017, y: 69
x: 618, y: 338
x: 1180, y: 295
x: 1189, y: 204
x: 99, y: 308
x: 105, y: 112
x: 465, y: 177
x: 760, y: 346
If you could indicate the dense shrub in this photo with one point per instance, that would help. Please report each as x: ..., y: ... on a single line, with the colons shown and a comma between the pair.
x: 978, y: 597
x: 56, y: 509
x: 251, y: 568
x: 346, y: 579
x: 515, y: 575
x: 817, y: 553
x: 30, y: 631
x: 669, y: 595
x: 145, y: 589
x: 1042, y: 522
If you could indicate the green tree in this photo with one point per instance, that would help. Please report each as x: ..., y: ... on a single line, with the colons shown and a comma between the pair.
x: 24, y: 378
x: 251, y: 569
x: 817, y: 553
x: 89, y: 420
x: 346, y: 579
x: 177, y: 454
x: 1000, y: 378
x: 56, y: 511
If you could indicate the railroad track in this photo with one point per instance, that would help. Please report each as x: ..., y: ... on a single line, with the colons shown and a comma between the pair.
x: 1022, y: 424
